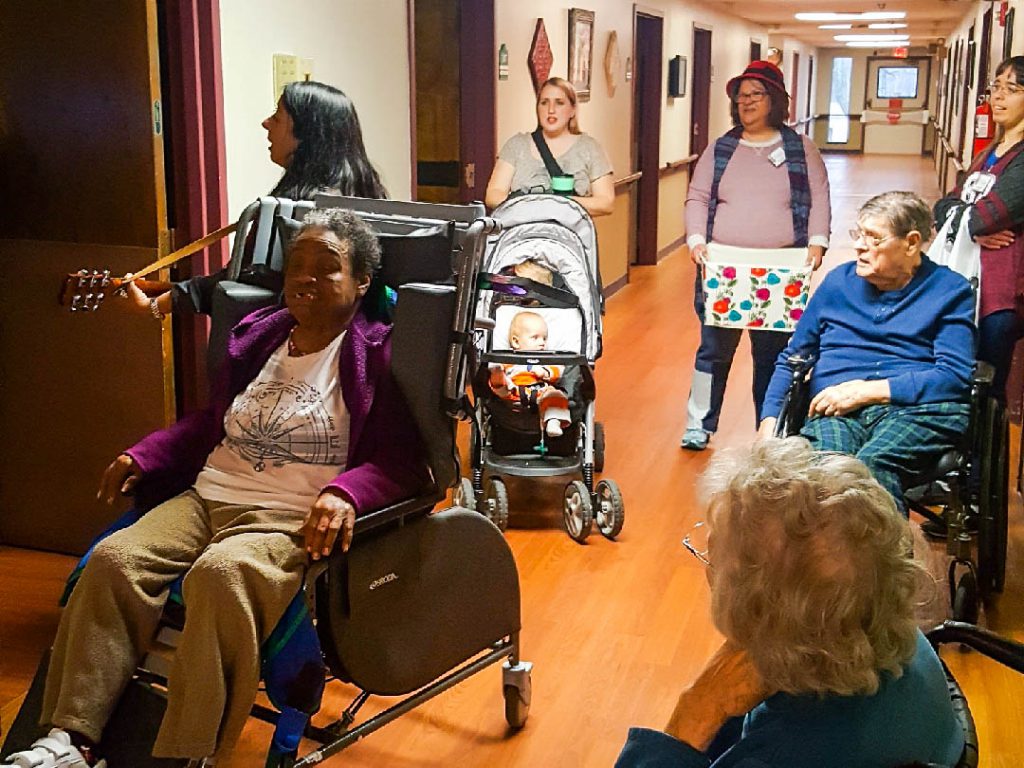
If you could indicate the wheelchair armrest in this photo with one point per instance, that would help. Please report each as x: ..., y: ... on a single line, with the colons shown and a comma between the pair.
x: 983, y: 373
x: 380, y: 517
x: 1007, y: 652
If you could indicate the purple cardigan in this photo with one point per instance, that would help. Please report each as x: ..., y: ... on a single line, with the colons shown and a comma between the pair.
x: 386, y: 460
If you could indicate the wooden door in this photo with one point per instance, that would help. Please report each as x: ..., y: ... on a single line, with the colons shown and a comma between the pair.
x: 794, y: 89
x: 454, y: 130
x: 755, y: 50
x: 82, y: 185
x: 701, y: 89
x: 647, y: 133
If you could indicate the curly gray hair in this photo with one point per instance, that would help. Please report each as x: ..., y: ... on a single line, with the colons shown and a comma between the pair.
x: 812, y: 569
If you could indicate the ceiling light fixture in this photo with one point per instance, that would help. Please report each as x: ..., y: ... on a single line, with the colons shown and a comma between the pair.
x: 872, y: 38
x: 876, y: 44
x: 866, y: 16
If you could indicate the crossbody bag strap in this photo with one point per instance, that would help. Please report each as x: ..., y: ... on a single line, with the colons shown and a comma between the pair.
x: 554, y: 169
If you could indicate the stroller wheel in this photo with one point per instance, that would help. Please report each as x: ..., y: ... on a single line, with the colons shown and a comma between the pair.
x: 577, y: 511
x: 610, y: 511
x: 495, y: 505
x: 464, y: 495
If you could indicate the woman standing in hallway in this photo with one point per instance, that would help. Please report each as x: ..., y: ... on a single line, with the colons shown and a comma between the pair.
x: 522, y: 167
x: 761, y: 185
x: 314, y: 134
x: 995, y: 188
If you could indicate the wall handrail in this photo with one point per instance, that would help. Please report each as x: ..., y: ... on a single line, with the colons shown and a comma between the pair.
x: 946, y: 145
x: 677, y: 165
x: 630, y: 179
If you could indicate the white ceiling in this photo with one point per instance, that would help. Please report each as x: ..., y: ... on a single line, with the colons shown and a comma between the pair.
x: 927, y: 20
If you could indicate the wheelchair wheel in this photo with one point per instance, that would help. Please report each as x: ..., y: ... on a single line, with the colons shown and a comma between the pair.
x: 965, y: 599
x: 495, y: 505
x: 993, y: 501
x: 577, y: 511
x: 598, y: 446
x: 611, y: 511
x: 464, y: 495
x: 516, y: 710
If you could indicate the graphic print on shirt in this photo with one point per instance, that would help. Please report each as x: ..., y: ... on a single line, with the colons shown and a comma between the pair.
x: 282, y: 422
x: 978, y: 185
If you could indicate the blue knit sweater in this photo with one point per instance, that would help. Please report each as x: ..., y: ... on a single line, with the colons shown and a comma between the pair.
x: 920, y: 337
x: 909, y: 719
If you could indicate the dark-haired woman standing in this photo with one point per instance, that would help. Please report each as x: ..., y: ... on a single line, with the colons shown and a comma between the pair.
x: 995, y: 187
x: 761, y: 185
x: 315, y: 136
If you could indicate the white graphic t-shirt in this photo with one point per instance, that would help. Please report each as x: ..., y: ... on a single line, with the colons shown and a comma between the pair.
x: 286, y: 435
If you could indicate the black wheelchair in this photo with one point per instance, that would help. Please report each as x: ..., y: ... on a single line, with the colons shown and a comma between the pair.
x: 421, y: 601
x: 969, y: 485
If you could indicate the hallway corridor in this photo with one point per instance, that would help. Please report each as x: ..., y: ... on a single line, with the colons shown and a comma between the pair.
x: 615, y: 629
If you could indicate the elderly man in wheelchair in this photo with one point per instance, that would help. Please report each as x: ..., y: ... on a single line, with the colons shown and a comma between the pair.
x: 306, y: 430
x: 891, y: 340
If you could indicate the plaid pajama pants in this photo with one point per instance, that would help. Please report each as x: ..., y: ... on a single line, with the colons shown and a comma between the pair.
x: 895, y: 442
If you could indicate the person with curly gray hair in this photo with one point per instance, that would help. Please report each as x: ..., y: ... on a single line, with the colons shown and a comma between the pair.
x: 813, y: 586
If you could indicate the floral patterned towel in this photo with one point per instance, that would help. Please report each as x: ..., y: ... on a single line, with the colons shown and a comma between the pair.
x: 742, y: 296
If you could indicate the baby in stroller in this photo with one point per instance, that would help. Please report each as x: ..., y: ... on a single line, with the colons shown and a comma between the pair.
x: 532, y: 386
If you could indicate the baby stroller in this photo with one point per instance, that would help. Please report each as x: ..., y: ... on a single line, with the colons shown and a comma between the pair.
x: 557, y: 235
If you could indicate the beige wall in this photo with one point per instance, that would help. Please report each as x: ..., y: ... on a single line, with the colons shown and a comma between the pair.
x: 360, y: 47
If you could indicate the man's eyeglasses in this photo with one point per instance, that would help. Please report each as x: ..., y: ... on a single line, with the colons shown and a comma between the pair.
x: 753, y: 98
x: 1007, y: 88
x: 696, y: 542
x: 870, y: 241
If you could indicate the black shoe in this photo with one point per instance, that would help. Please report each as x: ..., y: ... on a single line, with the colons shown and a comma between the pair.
x: 938, y: 530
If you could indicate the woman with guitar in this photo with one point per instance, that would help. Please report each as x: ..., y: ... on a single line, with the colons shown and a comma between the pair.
x: 315, y: 136
x: 527, y: 163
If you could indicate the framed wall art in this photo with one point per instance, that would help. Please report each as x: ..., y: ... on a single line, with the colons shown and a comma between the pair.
x: 581, y: 51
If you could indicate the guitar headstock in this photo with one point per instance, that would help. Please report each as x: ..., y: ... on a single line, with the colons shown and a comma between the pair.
x: 85, y: 290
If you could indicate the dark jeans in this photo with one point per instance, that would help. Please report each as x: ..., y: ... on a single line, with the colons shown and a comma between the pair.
x: 998, y: 333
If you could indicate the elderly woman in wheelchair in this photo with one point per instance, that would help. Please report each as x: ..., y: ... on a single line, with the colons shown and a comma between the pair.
x: 814, y: 587
x: 891, y: 339
x: 306, y: 430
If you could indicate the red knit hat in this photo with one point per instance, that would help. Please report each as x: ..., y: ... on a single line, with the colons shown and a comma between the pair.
x: 764, y: 71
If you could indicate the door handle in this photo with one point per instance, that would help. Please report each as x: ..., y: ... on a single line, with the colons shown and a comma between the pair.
x: 469, y: 175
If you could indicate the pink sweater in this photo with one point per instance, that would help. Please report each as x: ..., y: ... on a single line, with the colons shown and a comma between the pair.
x: 753, y: 199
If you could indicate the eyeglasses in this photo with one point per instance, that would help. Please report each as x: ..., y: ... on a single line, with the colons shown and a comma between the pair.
x: 753, y: 98
x: 870, y: 241
x: 696, y: 542
x: 1006, y: 88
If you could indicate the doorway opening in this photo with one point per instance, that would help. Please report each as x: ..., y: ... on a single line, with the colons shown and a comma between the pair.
x: 701, y: 89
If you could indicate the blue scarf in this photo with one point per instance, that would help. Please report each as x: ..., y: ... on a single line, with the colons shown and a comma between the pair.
x: 799, y: 185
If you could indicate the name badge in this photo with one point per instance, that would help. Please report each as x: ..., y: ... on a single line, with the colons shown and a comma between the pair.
x: 777, y: 157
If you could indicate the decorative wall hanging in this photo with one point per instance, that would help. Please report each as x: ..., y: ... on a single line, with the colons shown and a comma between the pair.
x: 581, y: 51
x: 612, y: 61
x: 540, y: 58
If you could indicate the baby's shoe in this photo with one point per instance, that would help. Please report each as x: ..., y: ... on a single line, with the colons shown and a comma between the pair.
x: 54, y: 750
x: 553, y: 428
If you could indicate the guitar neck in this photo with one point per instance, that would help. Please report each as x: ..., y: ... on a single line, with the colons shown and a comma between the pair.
x: 148, y: 287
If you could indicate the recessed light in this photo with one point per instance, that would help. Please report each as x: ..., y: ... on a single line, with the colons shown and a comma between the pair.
x: 876, y: 44
x: 866, y: 16
x: 872, y: 38
x: 835, y: 26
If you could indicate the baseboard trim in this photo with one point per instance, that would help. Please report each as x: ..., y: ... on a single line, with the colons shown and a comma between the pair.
x: 613, y: 288
x: 674, y: 245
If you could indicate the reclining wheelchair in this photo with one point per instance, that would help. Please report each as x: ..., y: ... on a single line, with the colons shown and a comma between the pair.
x: 421, y: 601
x: 972, y: 481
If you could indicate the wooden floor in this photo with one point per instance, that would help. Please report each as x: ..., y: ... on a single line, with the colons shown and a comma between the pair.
x: 614, y: 629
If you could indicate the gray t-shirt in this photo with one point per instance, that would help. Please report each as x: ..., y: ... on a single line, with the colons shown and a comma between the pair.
x: 585, y: 160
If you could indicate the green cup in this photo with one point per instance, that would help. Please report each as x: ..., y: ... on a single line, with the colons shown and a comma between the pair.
x: 563, y: 185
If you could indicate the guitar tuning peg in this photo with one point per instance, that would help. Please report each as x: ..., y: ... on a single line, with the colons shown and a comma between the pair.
x: 76, y: 303
x: 99, y: 299
x: 106, y: 278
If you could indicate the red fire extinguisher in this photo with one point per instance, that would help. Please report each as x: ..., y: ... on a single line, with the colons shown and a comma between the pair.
x: 984, y: 128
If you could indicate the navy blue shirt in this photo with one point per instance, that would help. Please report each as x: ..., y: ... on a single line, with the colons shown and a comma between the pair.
x: 910, y: 719
x: 920, y: 337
